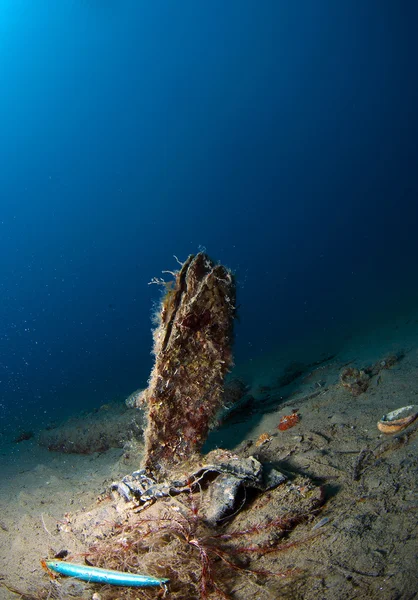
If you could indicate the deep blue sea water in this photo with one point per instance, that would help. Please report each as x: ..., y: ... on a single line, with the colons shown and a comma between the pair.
x: 280, y: 136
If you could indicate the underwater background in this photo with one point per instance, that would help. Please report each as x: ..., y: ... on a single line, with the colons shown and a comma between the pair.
x: 281, y: 137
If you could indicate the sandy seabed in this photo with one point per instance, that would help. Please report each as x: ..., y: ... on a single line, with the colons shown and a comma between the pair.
x: 366, y: 545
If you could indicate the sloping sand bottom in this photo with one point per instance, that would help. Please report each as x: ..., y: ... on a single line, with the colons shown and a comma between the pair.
x: 359, y: 540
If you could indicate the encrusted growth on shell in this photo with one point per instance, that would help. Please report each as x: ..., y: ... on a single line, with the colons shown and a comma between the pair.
x: 355, y: 381
x: 192, y: 347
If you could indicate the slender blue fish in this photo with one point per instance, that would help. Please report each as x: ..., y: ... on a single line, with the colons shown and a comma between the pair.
x: 97, y: 575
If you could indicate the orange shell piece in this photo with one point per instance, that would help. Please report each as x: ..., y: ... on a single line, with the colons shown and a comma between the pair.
x: 264, y: 437
x: 396, y: 426
x: 288, y: 421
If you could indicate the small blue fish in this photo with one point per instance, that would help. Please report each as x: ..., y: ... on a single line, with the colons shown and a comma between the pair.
x: 98, y: 575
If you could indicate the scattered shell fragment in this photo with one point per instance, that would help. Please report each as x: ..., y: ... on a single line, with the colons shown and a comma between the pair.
x: 289, y: 421
x: 391, y: 423
x: 320, y: 523
x: 263, y: 439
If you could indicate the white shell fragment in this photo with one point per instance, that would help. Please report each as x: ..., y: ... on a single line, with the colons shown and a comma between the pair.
x: 392, y: 416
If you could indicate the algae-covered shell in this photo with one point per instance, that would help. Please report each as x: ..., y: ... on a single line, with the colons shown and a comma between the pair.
x: 393, y: 421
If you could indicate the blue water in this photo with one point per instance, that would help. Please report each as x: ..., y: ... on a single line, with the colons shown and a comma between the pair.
x: 280, y: 136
